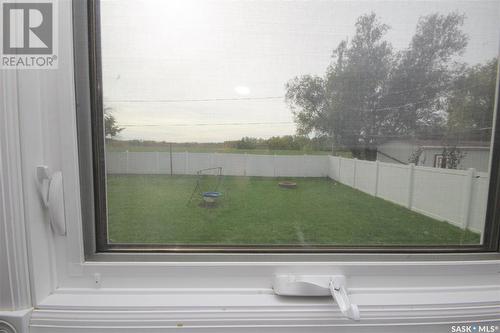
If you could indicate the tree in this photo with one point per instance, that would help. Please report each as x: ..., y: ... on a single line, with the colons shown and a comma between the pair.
x: 423, y: 76
x: 111, y: 128
x: 416, y: 155
x: 471, y: 101
x: 247, y: 143
x: 285, y: 142
x: 451, y: 157
x: 370, y: 92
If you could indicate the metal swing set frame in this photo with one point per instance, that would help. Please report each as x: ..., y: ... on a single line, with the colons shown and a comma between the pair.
x: 210, y: 195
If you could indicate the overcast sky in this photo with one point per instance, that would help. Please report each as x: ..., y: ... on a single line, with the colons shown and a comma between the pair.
x: 215, y: 70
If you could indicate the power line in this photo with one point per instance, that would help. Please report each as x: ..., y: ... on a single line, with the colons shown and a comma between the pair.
x: 193, y: 100
x: 209, y: 124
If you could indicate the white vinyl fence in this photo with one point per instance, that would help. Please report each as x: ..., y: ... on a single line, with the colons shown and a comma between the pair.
x: 456, y: 196
x: 232, y: 164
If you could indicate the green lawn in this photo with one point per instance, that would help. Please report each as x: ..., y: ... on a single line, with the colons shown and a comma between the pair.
x: 255, y: 210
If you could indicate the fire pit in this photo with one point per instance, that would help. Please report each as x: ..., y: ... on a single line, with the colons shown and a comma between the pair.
x: 287, y: 184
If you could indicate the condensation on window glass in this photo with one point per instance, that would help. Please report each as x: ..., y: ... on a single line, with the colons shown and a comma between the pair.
x: 298, y: 123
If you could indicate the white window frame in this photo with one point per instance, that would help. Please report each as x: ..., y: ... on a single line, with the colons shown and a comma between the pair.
x: 204, y: 292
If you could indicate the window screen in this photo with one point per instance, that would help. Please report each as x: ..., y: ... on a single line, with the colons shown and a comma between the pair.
x: 295, y: 124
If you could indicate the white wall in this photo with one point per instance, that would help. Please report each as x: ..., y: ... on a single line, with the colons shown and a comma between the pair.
x: 456, y: 196
x: 474, y: 157
x: 14, y: 277
x: 397, y: 149
x: 232, y: 164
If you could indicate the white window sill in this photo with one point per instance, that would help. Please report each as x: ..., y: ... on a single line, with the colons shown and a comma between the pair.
x: 147, y: 297
x: 157, y: 309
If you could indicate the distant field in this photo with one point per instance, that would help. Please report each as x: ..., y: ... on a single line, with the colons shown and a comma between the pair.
x: 255, y: 210
x: 214, y: 148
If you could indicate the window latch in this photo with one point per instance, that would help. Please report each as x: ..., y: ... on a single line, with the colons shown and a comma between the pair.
x: 50, y: 188
x: 317, y: 285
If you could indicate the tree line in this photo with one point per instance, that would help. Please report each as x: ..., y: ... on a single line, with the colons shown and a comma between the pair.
x: 284, y: 142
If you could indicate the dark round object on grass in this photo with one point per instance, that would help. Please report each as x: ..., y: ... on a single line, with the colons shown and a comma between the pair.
x: 287, y: 184
x: 211, y: 194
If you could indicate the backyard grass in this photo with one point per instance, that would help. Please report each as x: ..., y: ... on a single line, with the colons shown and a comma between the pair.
x: 255, y: 210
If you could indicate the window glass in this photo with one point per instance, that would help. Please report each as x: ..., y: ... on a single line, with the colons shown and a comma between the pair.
x: 298, y: 123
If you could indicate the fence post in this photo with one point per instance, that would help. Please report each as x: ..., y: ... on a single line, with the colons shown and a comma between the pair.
x: 274, y: 165
x: 186, y: 162
x: 171, y: 159
x: 340, y: 167
x: 354, y: 172
x: 246, y: 162
x: 158, y: 162
x: 411, y: 172
x: 467, y: 198
x: 377, y: 166
x: 126, y: 162
x: 304, y: 157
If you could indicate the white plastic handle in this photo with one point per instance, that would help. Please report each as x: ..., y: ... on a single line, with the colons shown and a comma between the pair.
x: 340, y: 296
x: 50, y: 188
x: 317, y: 285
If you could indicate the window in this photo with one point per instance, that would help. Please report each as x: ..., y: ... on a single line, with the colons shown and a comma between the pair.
x: 59, y: 290
x: 292, y: 126
x: 438, y: 161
